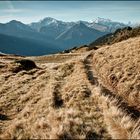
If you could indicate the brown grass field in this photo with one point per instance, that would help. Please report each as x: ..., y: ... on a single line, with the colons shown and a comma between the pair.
x: 118, y: 70
x: 82, y: 95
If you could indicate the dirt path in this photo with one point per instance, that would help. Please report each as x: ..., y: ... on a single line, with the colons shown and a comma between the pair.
x: 88, y: 66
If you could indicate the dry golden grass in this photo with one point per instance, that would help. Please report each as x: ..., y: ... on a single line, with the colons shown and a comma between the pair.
x: 117, y: 67
x: 56, y: 102
x: 120, y: 122
x: 89, y: 95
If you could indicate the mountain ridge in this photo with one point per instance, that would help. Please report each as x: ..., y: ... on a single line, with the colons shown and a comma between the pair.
x: 83, y: 31
x: 99, y: 21
x: 63, y: 35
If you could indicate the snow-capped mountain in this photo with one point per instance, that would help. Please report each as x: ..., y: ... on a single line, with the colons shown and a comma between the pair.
x: 50, y: 22
x: 107, y: 24
x: 102, y: 20
x: 55, y: 28
x: 53, y: 32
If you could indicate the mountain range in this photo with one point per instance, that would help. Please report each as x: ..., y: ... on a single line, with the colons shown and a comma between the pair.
x: 51, y: 36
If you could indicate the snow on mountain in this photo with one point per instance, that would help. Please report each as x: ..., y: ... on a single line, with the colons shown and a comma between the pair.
x: 107, y: 24
x: 102, y: 20
x: 48, y: 21
x: 101, y: 24
x: 55, y: 27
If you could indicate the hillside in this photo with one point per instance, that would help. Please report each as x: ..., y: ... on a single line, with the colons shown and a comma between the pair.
x: 85, y: 95
x: 26, y: 46
x: 117, y: 36
x: 117, y: 67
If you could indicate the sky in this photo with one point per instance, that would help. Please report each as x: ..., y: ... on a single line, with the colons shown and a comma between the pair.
x: 32, y: 11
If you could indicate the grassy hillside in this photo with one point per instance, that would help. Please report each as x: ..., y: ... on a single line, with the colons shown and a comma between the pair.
x: 117, y: 67
x: 117, y: 36
x: 49, y: 101
x: 83, y: 95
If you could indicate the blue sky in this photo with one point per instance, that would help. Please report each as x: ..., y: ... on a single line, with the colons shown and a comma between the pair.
x: 29, y: 11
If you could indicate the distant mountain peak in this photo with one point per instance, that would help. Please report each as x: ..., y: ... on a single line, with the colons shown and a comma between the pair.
x: 99, y: 19
x: 14, y: 22
x: 48, y: 19
x: 18, y: 24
